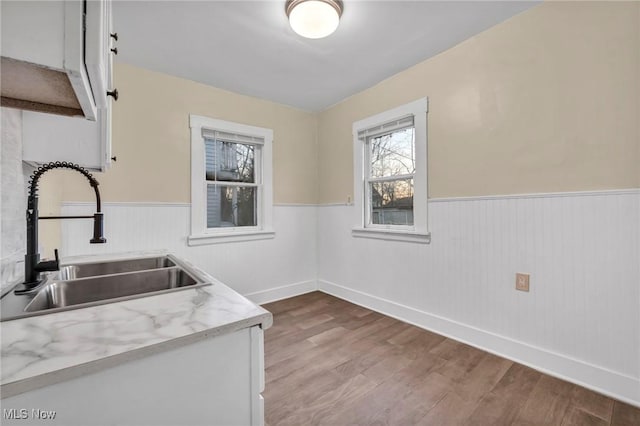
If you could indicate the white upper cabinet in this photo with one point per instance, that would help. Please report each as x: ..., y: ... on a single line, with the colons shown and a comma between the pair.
x: 56, y: 56
x: 57, y: 61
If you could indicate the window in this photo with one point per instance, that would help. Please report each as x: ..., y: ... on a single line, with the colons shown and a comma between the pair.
x: 231, y: 181
x: 231, y: 194
x: 390, y: 152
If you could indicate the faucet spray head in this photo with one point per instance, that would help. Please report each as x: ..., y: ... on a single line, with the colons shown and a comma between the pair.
x: 98, y: 229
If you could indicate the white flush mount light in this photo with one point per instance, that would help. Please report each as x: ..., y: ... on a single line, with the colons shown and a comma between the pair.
x: 314, y: 18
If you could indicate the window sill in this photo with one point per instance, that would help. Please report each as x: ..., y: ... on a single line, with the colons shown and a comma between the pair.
x: 392, y: 235
x: 229, y: 237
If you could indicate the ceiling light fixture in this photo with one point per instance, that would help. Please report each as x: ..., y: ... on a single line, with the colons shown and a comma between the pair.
x: 314, y: 18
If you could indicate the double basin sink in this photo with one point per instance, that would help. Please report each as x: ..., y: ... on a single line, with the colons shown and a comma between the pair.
x: 82, y: 285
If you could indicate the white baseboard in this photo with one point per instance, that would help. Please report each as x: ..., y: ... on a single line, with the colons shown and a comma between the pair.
x: 607, y: 382
x: 283, y: 292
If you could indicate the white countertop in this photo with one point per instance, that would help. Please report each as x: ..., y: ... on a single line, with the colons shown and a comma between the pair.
x: 41, y: 350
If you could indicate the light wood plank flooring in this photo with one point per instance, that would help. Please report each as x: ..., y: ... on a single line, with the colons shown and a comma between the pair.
x: 334, y: 363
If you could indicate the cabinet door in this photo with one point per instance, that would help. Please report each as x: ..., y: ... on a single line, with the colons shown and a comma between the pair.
x: 257, y: 376
x: 74, y: 56
x: 202, y: 383
x: 98, y: 54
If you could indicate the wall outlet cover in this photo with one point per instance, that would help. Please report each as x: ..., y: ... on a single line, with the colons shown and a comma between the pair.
x: 522, y: 282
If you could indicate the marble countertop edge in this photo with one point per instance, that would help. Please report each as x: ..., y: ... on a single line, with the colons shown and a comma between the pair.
x: 57, y: 376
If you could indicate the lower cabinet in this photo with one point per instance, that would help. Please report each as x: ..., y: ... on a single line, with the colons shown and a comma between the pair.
x: 215, y: 381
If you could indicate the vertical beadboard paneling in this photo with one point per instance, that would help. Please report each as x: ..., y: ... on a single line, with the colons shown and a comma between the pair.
x: 248, y: 267
x: 580, y: 249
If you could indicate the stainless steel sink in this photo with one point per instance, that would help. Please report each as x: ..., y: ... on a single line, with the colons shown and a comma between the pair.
x: 83, y: 270
x: 60, y: 294
x: 89, y: 284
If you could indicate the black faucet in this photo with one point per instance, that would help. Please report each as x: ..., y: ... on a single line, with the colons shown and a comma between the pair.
x: 32, y: 264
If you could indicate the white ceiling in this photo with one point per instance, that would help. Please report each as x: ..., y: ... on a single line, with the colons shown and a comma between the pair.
x: 248, y: 47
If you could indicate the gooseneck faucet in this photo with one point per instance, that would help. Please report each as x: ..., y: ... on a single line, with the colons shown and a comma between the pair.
x: 32, y: 264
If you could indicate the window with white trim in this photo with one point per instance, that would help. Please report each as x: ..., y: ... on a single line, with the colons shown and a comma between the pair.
x: 231, y: 193
x: 390, y: 176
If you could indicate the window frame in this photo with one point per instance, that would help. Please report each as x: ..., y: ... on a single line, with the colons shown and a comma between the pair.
x: 419, y: 231
x: 200, y: 234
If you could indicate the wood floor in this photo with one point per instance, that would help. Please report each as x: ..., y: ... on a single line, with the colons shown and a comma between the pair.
x: 334, y: 363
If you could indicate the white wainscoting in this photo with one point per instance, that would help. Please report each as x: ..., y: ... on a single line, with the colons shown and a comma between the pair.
x: 581, y: 319
x: 263, y: 270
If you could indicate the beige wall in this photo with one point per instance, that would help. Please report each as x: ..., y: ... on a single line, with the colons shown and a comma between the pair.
x: 544, y: 102
x: 151, y: 140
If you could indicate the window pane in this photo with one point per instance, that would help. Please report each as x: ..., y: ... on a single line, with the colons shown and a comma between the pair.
x: 392, y: 202
x: 229, y: 162
x: 231, y: 206
x: 393, y: 154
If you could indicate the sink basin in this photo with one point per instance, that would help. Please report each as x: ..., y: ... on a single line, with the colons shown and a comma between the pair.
x: 60, y: 294
x: 83, y: 285
x: 83, y: 270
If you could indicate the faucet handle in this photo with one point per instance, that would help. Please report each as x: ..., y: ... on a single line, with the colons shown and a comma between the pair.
x: 49, y: 265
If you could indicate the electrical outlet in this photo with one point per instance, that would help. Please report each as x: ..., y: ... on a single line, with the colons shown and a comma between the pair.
x: 522, y: 282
